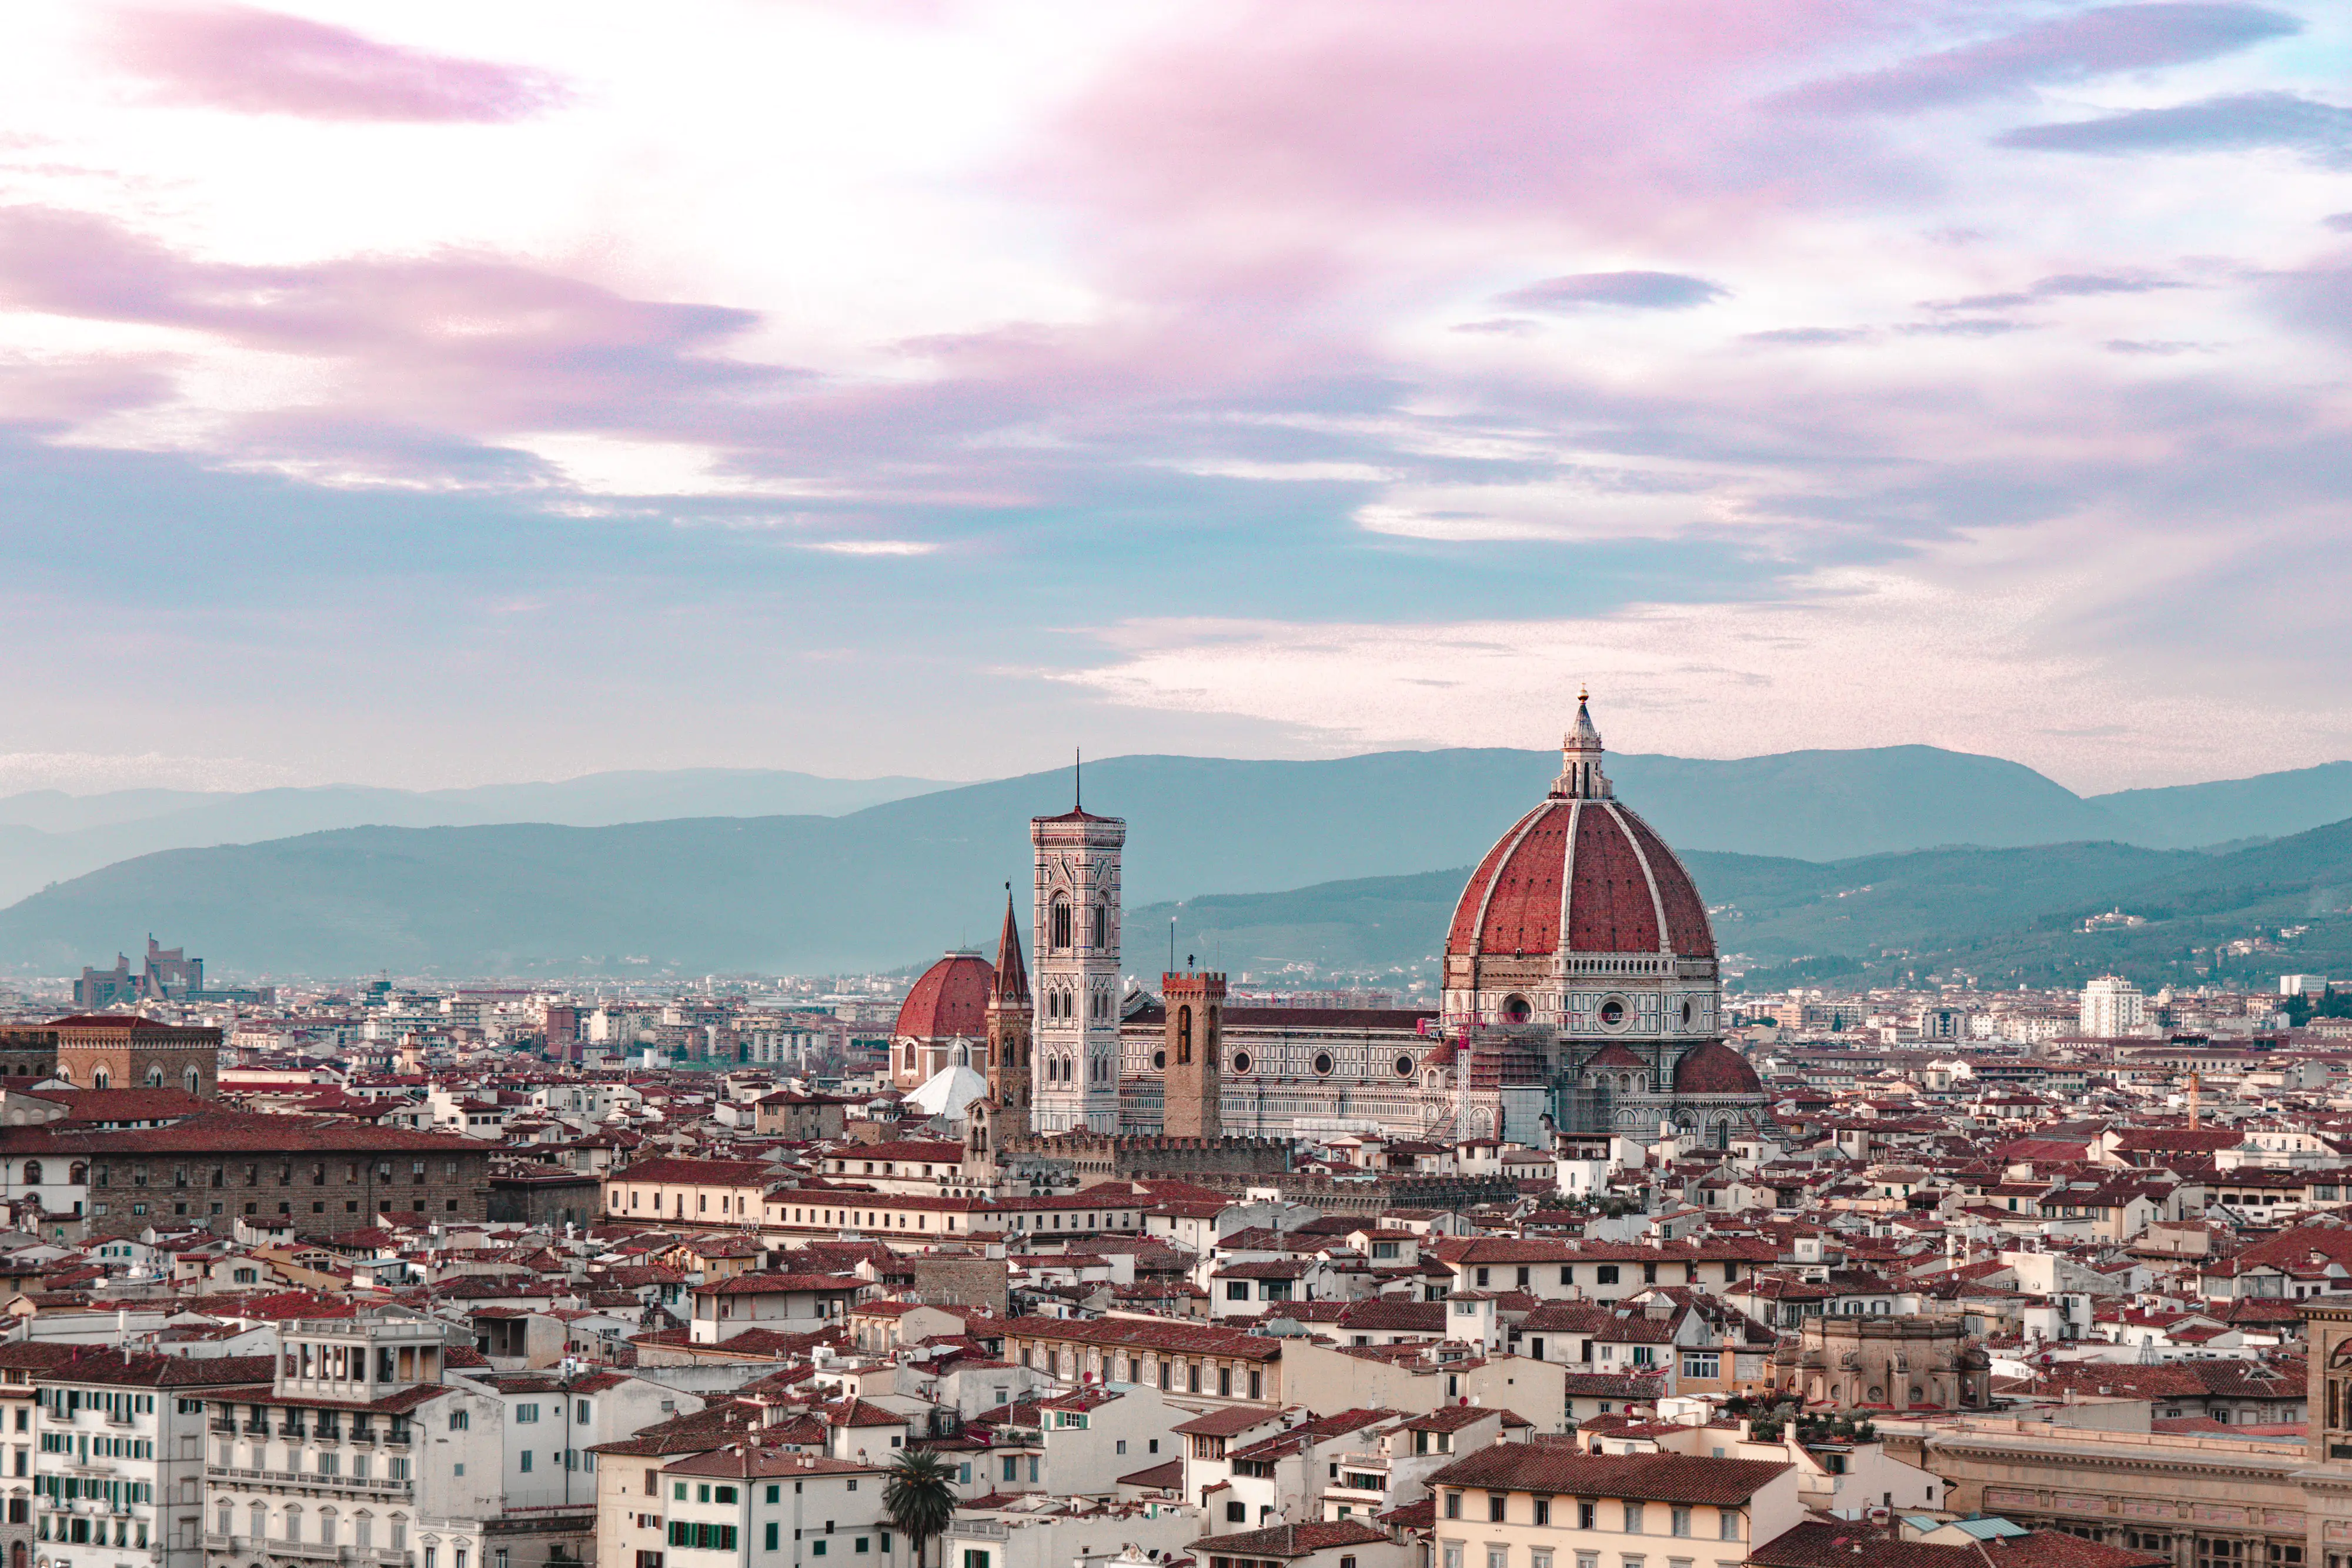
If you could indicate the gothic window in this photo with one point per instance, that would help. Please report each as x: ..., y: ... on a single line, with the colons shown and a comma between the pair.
x: 1060, y: 924
x: 1100, y: 938
x: 154, y: 1078
x: 1184, y: 1035
x: 195, y: 1080
x: 101, y: 1079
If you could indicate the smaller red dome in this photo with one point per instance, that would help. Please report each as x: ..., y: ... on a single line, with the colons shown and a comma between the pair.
x: 950, y: 1001
x: 1716, y: 1069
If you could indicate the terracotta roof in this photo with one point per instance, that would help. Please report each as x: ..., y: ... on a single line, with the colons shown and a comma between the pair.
x: 1294, y: 1539
x: 950, y: 1001
x: 1663, y: 1478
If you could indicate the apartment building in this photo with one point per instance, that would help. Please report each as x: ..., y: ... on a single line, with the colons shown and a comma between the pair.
x: 119, y: 1461
x: 1521, y: 1506
x: 740, y: 1505
x: 353, y: 1448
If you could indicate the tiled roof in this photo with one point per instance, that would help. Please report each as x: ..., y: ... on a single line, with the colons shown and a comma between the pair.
x: 1661, y: 1478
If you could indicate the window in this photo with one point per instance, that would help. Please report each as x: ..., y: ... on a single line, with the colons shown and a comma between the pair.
x: 975, y: 1559
x: 1498, y: 1557
x: 1236, y: 1513
x: 1454, y: 1505
x: 1633, y: 1519
x: 1678, y: 1521
x: 1727, y: 1528
x: 459, y: 1420
x: 1496, y: 1506
x: 1604, y: 1273
x: 774, y: 1529
x: 1543, y: 1510
x: 1701, y: 1363
x: 527, y: 1458
x: 1584, y: 1511
x: 526, y: 1413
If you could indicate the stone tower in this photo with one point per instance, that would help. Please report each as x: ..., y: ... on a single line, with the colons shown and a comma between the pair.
x: 1010, y: 1018
x: 1075, y: 857
x: 1195, y: 1049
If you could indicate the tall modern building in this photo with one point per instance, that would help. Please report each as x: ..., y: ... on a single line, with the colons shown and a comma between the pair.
x: 2112, y: 1006
x: 1075, y: 861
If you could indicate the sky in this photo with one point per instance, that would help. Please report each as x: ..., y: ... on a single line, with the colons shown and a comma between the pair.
x: 448, y: 393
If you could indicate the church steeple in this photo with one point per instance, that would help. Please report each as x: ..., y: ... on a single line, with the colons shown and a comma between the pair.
x: 1011, y: 969
x: 1581, y: 778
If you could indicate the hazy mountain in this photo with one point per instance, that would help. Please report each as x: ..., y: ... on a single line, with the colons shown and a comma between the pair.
x: 47, y: 835
x: 2270, y: 805
x: 896, y: 882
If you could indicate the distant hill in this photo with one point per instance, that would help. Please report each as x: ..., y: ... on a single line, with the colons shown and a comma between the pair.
x: 2003, y: 916
x: 1850, y: 876
x: 47, y: 835
x: 2272, y: 806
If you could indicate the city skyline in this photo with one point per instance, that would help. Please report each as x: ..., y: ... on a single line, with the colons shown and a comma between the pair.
x: 924, y: 389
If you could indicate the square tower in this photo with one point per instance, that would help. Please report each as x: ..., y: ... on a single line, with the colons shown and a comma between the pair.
x: 1194, y: 1051
x: 1074, y: 989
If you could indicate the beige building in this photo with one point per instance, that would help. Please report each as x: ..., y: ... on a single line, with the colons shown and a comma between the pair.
x: 1903, y: 1363
x: 1516, y: 1505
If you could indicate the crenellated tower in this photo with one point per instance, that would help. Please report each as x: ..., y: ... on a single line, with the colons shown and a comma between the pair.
x: 1193, y: 1077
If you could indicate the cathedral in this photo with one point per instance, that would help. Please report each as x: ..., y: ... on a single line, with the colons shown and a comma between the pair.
x: 1581, y: 994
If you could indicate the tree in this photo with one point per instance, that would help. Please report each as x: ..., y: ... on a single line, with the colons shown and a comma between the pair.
x: 919, y: 1496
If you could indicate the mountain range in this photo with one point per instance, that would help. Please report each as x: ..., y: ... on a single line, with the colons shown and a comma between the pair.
x: 1815, y: 856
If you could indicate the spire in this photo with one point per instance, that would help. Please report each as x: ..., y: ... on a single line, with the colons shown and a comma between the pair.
x: 1078, y: 780
x: 1581, y: 778
x: 1011, y: 973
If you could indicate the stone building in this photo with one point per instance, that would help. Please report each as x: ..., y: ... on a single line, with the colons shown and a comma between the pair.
x: 212, y: 1169
x: 123, y: 1051
x: 1884, y: 1362
x: 1189, y: 1059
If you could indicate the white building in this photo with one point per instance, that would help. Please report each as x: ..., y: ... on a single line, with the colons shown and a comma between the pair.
x: 741, y: 1505
x: 552, y: 1423
x: 355, y: 1449
x: 2113, y: 1007
x: 119, y: 1457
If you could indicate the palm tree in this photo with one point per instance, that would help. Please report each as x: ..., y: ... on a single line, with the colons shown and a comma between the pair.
x: 919, y: 1496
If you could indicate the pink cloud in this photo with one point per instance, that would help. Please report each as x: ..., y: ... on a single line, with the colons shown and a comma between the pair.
x: 259, y: 62
x: 456, y: 338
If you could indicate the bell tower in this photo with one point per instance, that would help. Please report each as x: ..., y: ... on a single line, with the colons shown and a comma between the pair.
x: 1076, y: 869
x: 1010, y: 1022
x: 1194, y: 1077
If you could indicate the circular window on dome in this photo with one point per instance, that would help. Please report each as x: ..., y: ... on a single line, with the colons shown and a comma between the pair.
x: 1516, y: 1009
x: 1687, y: 1012
x: 1612, y: 1013
x: 1404, y: 1066
x: 1241, y: 1061
x: 1159, y: 1062
x: 1323, y: 1063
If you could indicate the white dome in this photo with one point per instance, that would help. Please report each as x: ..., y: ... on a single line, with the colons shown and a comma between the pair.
x: 947, y: 1092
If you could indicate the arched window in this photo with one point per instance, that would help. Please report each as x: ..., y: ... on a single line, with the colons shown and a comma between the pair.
x: 77, y: 1173
x: 32, y: 1172
x: 154, y: 1078
x: 99, y: 1078
x: 1060, y: 924
x: 196, y: 1082
x: 1101, y: 935
x: 1184, y: 1035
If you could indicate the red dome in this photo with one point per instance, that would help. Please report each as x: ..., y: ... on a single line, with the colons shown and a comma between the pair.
x: 1716, y: 1069
x: 1588, y: 868
x: 950, y: 1000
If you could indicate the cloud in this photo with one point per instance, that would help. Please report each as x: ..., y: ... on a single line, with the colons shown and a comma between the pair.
x: 1805, y: 337
x: 1628, y: 290
x: 1987, y: 326
x: 452, y: 341
x: 1499, y: 326
x: 2064, y: 49
x: 2321, y: 131
x: 873, y: 546
x: 2062, y: 286
x: 2340, y: 221
x: 2154, y: 346
x: 259, y: 62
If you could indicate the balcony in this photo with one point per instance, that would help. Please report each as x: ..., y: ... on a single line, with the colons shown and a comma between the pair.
x: 374, y: 1485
